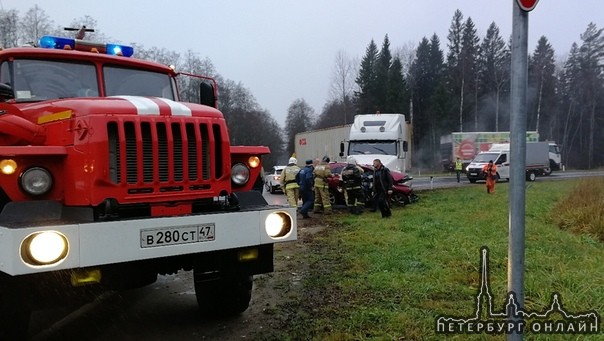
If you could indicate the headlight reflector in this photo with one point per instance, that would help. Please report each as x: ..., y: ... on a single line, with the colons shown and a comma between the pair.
x: 44, y: 248
x: 240, y: 174
x: 36, y: 181
x: 278, y: 224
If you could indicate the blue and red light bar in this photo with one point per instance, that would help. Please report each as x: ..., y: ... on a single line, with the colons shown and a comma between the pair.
x: 51, y: 42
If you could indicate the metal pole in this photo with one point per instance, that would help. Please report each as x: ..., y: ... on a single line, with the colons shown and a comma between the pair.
x: 519, y: 71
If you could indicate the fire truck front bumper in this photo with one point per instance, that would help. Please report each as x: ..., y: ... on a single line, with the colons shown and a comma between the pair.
x: 28, y: 250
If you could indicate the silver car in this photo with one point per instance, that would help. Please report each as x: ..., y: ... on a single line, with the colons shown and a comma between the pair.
x: 272, y: 179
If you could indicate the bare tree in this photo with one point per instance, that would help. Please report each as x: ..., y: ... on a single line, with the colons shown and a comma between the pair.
x: 343, y: 84
x: 9, y: 35
x: 300, y: 117
x: 34, y: 24
x: 406, y: 54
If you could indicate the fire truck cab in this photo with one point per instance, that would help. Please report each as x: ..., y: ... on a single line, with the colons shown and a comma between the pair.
x: 107, y: 179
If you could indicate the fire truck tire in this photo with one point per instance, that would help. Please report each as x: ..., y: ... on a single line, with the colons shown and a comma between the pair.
x: 227, y: 295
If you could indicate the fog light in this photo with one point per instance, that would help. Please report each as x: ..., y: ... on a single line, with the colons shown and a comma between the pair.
x: 8, y: 166
x: 44, y: 248
x: 247, y: 255
x: 81, y: 277
x: 278, y: 224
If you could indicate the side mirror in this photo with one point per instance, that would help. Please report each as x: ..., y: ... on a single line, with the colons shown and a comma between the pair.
x: 6, y: 92
x: 207, y: 94
x: 341, y: 149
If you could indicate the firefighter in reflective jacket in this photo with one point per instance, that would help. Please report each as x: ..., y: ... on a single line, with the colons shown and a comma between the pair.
x: 288, y: 182
x: 352, y: 176
x: 322, y: 175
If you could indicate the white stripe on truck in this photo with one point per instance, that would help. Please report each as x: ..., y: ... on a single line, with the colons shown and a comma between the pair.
x: 144, y: 106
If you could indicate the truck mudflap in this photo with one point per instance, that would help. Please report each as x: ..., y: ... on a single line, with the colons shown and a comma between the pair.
x: 100, y: 243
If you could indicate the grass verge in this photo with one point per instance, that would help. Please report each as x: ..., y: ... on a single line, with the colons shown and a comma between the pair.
x: 373, y: 278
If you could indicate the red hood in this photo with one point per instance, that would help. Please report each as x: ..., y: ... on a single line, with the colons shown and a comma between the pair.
x: 118, y: 105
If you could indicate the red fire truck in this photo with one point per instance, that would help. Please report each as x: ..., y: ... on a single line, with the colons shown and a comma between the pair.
x: 107, y: 180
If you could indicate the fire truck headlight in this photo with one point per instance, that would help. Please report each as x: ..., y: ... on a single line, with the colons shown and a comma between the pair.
x: 44, y: 248
x: 278, y: 224
x: 8, y: 166
x: 36, y: 181
x: 253, y: 161
x: 240, y: 174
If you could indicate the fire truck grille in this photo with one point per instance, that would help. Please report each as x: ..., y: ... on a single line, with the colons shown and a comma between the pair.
x: 147, y: 152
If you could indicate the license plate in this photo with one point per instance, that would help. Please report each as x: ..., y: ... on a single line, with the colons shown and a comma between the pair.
x: 473, y: 173
x: 178, y: 235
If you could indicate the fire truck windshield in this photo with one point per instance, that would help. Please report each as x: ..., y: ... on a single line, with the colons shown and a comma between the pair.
x: 38, y: 80
x: 120, y: 81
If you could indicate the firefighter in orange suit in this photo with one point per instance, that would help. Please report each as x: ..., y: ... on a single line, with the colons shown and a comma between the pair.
x: 490, y: 175
x: 322, y: 174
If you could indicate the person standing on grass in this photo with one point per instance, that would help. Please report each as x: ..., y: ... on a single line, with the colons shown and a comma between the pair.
x: 352, y: 176
x: 322, y: 175
x: 458, y: 168
x: 490, y: 175
x: 382, y: 186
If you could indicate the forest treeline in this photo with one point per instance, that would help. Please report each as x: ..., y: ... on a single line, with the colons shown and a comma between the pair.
x: 460, y: 85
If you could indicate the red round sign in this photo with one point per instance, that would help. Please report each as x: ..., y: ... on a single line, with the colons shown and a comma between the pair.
x: 467, y: 150
x: 527, y: 5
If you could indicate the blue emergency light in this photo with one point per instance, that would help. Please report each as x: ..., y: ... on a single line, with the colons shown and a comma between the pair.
x: 120, y: 50
x: 51, y: 42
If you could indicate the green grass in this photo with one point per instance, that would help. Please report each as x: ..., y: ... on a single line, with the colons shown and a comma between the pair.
x: 389, y: 279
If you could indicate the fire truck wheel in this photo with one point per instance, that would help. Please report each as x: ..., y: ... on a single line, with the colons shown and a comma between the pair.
x: 225, y: 296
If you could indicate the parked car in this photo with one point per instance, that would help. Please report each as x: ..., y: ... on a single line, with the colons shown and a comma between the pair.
x: 402, y: 191
x: 272, y: 179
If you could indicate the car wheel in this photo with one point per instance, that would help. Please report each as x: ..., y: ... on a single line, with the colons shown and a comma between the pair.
x: 547, y: 171
x: 332, y: 198
x: 531, y: 176
x: 399, y: 199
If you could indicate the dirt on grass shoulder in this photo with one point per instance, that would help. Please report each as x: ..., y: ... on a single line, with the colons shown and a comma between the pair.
x: 281, y: 304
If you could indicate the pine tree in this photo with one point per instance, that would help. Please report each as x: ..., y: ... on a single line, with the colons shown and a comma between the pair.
x: 382, y: 71
x: 494, y: 73
x: 469, y: 55
x: 542, y: 83
x: 366, y: 80
x: 454, y: 65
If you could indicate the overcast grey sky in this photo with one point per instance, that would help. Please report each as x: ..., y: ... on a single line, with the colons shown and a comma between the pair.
x: 285, y: 49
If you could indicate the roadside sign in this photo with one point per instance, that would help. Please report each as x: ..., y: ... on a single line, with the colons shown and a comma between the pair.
x: 527, y: 5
